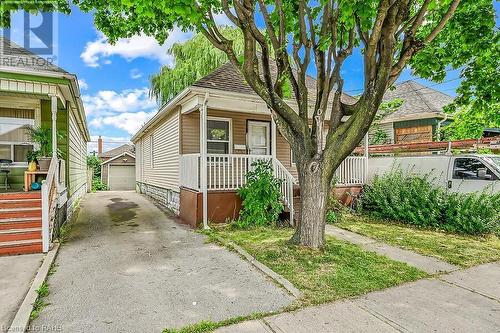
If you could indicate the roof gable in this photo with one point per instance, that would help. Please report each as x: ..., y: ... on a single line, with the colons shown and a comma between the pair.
x: 418, y: 101
x: 228, y: 78
x: 126, y: 148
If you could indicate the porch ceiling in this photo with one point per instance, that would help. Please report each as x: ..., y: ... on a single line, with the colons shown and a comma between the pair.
x: 31, y: 90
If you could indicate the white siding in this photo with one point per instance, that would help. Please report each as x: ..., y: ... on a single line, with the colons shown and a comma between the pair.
x: 77, y: 159
x: 388, y: 128
x: 138, y: 161
x: 159, y: 165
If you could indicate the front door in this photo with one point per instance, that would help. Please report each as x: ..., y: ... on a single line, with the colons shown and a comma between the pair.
x: 259, y: 138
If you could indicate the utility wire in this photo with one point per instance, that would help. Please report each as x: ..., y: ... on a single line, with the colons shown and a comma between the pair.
x: 429, y: 86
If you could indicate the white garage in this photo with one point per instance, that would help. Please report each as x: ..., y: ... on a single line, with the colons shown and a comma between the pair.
x: 121, y: 177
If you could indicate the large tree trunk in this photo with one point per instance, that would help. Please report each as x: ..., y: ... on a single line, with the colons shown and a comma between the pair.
x: 314, y: 188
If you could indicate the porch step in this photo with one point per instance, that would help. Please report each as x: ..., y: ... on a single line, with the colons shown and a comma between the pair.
x: 20, y: 234
x: 20, y: 223
x: 20, y: 195
x: 20, y: 203
x: 20, y: 247
x: 33, y: 212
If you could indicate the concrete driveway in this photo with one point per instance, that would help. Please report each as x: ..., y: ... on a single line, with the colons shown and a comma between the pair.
x: 127, y: 267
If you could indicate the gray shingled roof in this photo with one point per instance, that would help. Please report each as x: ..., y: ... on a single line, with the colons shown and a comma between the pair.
x: 126, y: 148
x: 228, y: 78
x: 418, y: 101
x: 14, y: 56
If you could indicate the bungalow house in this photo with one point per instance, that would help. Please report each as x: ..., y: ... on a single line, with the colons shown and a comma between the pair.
x: 194, y: 153
x: 418, y: 118
x: 37, y: 93
x: 118, y: 167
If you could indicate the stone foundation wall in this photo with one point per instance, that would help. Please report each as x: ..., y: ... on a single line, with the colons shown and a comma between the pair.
x: 167, y: 198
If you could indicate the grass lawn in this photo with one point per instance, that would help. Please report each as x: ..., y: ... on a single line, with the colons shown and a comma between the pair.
x: 459, y: 250
x: 340, y: 270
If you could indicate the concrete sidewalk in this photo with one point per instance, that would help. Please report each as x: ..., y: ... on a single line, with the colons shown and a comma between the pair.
x: 427, y: 264
x: 462, y: 301
x: 16, y: 275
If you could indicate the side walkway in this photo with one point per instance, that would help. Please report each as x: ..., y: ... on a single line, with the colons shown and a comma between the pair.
x: 16, y: 276
x: 427, y: 264
x: 462, y: 301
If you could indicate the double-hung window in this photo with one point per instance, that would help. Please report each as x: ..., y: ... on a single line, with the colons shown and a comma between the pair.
x: 218, y: 135
x: 14, y: 139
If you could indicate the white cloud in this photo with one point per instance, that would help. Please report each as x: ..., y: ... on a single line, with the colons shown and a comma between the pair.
x: 135, y: 73
x: 130, y: 122
x: 109, y: 102
x: 83, y: 84
x: 131, y: 48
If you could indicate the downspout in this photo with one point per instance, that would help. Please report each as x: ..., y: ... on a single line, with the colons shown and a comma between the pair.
x: 439, y: 126
x: 203, y: 160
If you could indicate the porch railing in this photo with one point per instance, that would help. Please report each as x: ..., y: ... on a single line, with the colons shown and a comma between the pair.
x: 352, y: 171
x: 49, y: 202
x: 228, y: 172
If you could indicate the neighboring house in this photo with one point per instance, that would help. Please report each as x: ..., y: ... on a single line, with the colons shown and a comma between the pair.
x: 118, y: 167
x: 418, y: 118
x: 37, y: 93
x: 175, y: 167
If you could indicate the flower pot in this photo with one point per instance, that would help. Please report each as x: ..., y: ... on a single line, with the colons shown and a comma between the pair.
x: 32, y: 166
x: 44, y: 163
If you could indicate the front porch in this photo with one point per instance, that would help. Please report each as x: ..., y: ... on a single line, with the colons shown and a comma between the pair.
x: 18, y: 110
x: 218, y: 143
x: 28, y: 217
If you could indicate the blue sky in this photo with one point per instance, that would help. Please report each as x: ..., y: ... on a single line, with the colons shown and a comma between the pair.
x: 114, y: 78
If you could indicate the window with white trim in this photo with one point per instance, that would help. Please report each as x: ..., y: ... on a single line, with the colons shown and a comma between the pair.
x: 218, y: 136
x: 14, y: 139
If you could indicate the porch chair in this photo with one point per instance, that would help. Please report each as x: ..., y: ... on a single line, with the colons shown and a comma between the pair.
x: 5, y: 172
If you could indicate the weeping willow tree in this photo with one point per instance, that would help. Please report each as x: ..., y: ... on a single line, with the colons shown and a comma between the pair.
x: 194, y: 59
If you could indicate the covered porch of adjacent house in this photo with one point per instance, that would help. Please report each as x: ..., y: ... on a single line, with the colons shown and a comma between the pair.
x: 218, y: 148
x: 27, y: 216
x: 16, y: 112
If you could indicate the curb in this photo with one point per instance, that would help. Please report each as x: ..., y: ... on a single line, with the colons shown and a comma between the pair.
x: 264, y: 269
x: 22, y: 318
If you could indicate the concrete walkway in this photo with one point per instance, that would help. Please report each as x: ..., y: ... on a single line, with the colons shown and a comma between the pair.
x: 16, y: 275
x: 462, y: 301
x: 127, y: 267
x: 427, y: 264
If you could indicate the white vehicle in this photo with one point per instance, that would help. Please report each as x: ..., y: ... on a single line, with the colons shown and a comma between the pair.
x: 457, y: 173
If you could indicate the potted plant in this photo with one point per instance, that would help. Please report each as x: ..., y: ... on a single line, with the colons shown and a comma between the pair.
x: 43, y: 137
x: 32, y: 156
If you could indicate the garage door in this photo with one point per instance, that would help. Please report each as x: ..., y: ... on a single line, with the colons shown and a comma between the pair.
x: 121, y: 177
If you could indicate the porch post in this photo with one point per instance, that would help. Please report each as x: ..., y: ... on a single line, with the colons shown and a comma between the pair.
x: 203, y: 161
x: 366, y: 150
x: 273, y: 138
x: 53, y: 107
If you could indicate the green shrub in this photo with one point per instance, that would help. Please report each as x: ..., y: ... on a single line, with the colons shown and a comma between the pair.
x: 398, y: 196
x: 98, y: 185
x: 261, y: 197
x: 472, y: 213
x: 416, y: 201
